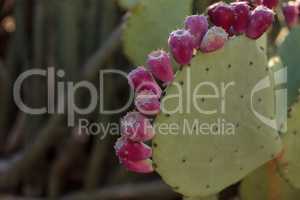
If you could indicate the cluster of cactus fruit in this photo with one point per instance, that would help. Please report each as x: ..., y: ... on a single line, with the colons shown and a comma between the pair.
x: 291, y: 11
x: 228, y: 21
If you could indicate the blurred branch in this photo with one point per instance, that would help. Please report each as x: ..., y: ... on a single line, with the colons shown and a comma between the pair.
x: 99, y: 156
x: 16, y: 135
x: 100, y: 153
x: 152, y: 190
x: 4, y: 99
x: 66, y: 161
x: 92, y: 66
x: 48, y: 136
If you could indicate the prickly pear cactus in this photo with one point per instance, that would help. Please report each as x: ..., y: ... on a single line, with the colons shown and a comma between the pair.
x: 265, y: 183
x: 289, y: 53
x: 195, y: 156
x: 148, y: 26
x: 289, y: 164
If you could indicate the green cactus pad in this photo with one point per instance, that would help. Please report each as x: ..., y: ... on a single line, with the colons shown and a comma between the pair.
x: 290, y: 161
x: 289, y: 53
x: 265, y: 183
x: 149, y: 25
x: 262, y: 43
x: 196, y: 161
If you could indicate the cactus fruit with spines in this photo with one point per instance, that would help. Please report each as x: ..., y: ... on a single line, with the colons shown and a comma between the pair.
x: 182, y: 45
x: 242, y: 12
x: 197, y: 26
x: 221, y: 14
x: 291, y: 13
x: 213, y: 40
x: 261, y: 18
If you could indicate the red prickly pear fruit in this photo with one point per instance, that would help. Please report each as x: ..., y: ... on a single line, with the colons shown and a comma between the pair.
x: 139, y: 75
x: 140, y: 79
x: 133, y: 151
x: 159, y: 64
x: 181, y: 43
x: 143, y: 166
x: 291, y: 13
x: 214, y: 39
x: 270, y: 3
x: 242, y: 13
x: 147, y: 103
x: 150, y: 86
x: 136, y: 127
x: 197, y: 25
x: 221, y: 14
x: 260, y: 20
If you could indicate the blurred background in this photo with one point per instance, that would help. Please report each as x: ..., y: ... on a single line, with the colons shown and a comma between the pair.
x: 40, y: 155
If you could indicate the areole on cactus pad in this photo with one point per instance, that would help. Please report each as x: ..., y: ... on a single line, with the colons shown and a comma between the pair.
x: 197, y: 164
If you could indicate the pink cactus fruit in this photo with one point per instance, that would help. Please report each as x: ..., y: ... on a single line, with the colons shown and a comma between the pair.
x: 143, y: 166
x: 159, y: 64
x: 147, y: 103
x: 270, y: 3
x: 181, y: 43
x: 133, y: 151
x: 139, y: 75
x: 291, y: 13
x: 214, y: 39
x: 150, y: 86
x: 136, y: 127
x: 140, y: 79
x: 260, y: 20
x: 197, y: 25
x: 242, y: 13
x: 221, y: 14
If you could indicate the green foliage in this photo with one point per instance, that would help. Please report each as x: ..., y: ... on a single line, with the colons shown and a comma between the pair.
x: 201, y: 164
x: 149, y: 25
x: 290, y: 161
x: 265, y: 183
x: 289, y: 52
